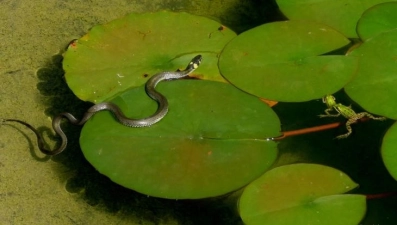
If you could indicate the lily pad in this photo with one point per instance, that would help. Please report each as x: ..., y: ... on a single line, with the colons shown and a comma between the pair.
x: 374, y: 86
x: 211, y: 142
x: 377, y: 19
x: 341, y: 15
x: 389, y: 150
x: 280, y: 61
x: 302, y: 194
x: 125, y: 52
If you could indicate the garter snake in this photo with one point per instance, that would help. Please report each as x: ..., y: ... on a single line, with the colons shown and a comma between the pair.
x: 148, y: 121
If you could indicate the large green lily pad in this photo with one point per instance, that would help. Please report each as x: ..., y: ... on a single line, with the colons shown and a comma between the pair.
x: 389, y: 150
x: 377, y: 19
x: 341, y: 15
x: 211, y: 142
x: 281, y: 61
x: 302, y: 194
x: 374, y: 86
x: 125, y: 52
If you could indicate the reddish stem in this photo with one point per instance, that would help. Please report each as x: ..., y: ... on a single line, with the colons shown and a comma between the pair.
x: 381, y: 195
x: 308, y: 130
x: 312, y: 129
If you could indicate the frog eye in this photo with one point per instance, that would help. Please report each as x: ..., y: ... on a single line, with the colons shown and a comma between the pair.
x: 328, y: 98
x: 325, y: 99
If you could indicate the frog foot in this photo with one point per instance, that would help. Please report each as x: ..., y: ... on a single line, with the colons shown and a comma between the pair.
x: 343, y: 135
x: 381, y: 118
x: 354, y: 119
x: 348, y: 127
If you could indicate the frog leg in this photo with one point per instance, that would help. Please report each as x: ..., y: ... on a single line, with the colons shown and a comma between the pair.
x: 349, y: 131
x: 373, y: 117
x: 329, y: 114
x: 351, y: 121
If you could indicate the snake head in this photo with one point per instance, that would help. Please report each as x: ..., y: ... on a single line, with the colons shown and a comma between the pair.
x: 194, y: 63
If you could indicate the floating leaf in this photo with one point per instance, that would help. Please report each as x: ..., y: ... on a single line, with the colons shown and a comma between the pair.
x: 374, y: 86
x: 389, y: 150
x: 121, y: 54
x: 341, y: 15
x: 211, y: 142
x: 279, y: 61
x: 302, y: 194
x: 378, y: 19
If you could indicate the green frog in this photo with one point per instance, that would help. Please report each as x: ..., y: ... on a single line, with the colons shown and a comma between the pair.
x: 345, y: 111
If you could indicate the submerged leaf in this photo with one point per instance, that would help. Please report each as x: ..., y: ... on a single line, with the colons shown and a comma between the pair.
x: 211, y: 142
x: 280, y: 61
x: 125, y: 52
x: 302, y: 194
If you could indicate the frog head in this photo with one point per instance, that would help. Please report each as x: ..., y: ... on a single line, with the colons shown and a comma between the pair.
x: 329, y: 100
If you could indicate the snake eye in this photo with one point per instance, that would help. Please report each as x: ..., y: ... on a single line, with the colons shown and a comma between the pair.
x: 221, y: 28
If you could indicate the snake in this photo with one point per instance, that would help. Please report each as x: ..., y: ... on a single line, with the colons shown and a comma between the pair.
x: 150, y: 88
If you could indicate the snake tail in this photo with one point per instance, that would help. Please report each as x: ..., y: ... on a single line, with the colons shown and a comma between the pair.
x: 148, y: 121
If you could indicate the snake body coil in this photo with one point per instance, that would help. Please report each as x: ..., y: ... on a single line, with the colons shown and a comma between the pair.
x: 151, y: 92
